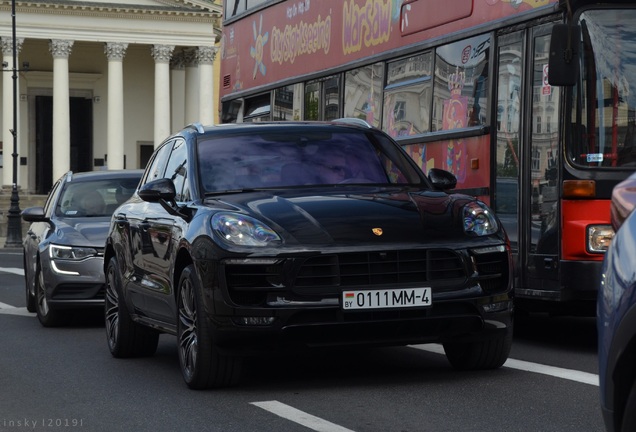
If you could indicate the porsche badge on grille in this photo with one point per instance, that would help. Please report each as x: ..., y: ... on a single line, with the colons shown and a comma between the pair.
x: 377, y: 231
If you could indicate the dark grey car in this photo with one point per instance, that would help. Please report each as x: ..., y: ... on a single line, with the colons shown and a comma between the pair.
x: 63, y: 248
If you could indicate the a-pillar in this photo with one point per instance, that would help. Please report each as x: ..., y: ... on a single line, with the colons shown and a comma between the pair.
x: 206, y: 55
x: 162, y: 54
x: 115, y: 53
x: 7, y: 107
x: 61, y: 50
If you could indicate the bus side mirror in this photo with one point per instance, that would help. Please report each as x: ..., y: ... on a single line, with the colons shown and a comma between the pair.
x: 563, y: 64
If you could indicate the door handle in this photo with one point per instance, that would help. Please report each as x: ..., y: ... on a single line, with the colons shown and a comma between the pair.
x: 548, y: 263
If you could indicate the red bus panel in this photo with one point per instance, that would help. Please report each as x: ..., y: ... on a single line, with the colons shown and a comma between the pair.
x: 295, y: 38
x: 576, y: 216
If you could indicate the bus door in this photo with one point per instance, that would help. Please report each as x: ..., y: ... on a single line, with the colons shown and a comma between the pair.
x: 544, y: 228
x: 509, y: 142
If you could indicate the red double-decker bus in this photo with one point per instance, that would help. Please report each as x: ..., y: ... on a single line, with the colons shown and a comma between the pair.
x: 530, y: 103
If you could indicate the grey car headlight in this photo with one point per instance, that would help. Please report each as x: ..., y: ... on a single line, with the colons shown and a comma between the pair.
x: 479, y: 219
x: 242, y: 230
x: 70, y: 253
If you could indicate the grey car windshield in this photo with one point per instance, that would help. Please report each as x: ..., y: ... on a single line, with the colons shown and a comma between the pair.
x: 95, y: 198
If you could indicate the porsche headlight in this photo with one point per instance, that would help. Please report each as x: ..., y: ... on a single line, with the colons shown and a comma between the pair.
x: 69, y: 253
x: 479, y: 219
x: 242, y: 230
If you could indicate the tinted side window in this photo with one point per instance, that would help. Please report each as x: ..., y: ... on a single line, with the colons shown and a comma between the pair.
x: 157, y: 164
x: 176, y: 169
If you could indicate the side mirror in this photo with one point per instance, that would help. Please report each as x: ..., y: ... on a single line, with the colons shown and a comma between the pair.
x: 157, y: 190
x: 442, y: 179
x: 563, y: 64
x: 34, y: 214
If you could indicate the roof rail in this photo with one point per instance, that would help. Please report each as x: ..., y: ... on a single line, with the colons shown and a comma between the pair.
x: 353, y: 121
x: 196, y: 126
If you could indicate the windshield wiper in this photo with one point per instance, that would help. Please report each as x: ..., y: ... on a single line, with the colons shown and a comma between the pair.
x: 232, y: 191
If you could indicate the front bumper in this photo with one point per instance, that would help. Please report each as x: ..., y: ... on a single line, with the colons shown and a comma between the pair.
x: 464, y: 320
x: 74, y: 284
x: 297, y: 299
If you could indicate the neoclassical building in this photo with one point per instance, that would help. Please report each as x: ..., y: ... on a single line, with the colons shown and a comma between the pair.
x: 101, y: 83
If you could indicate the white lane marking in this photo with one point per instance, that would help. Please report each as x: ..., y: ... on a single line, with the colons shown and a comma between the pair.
x: 300, y: 417
x: 6, y: 309
x: 12, y: 270
x: 569, y: 374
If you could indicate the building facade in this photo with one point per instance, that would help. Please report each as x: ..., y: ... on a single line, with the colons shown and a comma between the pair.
x: 101, y: 84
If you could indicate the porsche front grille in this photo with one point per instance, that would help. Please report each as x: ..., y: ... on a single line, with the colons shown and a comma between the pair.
x: 324, y: 275
x: 380, y: 268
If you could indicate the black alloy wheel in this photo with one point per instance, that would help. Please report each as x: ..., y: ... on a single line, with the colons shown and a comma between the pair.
x: 480, y: 355
x: 125, y: 337
x: 202, y: 365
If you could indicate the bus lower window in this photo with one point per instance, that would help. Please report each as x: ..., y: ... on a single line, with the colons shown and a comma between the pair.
x: 462, y: 69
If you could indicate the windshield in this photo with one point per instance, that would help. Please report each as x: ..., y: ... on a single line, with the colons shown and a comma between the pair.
x: 95, y: 198
x: 607, y: 94
x: 287, y: 159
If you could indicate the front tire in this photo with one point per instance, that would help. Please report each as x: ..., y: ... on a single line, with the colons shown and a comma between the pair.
x: 479, y: 355
x: 202, y: 364
x: 48, y: 317
x: 30, y: 296
x: 125, y: 337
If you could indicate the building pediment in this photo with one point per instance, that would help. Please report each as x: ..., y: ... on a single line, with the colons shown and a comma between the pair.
x: 133, y: 6
x: 172, y: 22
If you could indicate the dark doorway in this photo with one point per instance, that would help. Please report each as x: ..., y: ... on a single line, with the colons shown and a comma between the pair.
x: 145, y: 151
x: 81, y: 134
x: 81, y: 153
x: 43, y: 144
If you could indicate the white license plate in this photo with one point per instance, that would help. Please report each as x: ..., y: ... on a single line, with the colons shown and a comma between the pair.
x: 386, y: 298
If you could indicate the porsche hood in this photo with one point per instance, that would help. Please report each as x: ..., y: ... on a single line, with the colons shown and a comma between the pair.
x: 372, y: 215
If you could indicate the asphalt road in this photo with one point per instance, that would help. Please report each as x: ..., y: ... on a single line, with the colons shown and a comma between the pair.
x: 65, y: 378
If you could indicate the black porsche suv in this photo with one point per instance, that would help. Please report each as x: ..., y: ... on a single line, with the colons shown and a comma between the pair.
x: 245, y: 237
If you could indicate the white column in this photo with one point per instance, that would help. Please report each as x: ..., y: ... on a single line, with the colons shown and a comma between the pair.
x: 162, y: 54
x: 206, y: 56
x: 61, y: 50
x: 7, y: 108
x: 192, y: 87
x: 115, y: 53
x: 177, y: 92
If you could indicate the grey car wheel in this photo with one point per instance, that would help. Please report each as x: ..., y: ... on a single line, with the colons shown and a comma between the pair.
x: 48, y: 317
x: 30, y: 291
x: 202, y: 364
